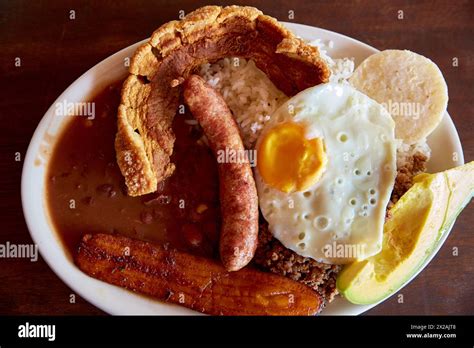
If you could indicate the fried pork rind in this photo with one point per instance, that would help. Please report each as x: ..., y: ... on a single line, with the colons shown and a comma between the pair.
x: 150, y: 95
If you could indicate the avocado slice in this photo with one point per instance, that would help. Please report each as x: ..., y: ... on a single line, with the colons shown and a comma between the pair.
x: 461, y: 185
x: 418, y: 221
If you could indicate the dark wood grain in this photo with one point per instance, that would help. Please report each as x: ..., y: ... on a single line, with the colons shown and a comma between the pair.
x: 55, y: 50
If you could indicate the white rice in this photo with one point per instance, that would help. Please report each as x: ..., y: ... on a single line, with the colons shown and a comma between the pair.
x: 341, y: 68
x: 253, y: 98
x: 248, y: 92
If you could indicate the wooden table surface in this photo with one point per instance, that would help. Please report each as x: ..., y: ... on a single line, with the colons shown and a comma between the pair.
x: 55, y: 50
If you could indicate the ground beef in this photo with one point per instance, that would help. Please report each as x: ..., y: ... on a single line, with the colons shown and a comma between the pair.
x: 272, y: 256
x: 404, y: 180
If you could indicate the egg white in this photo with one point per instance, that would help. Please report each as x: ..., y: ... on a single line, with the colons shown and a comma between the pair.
x: 345, y: 209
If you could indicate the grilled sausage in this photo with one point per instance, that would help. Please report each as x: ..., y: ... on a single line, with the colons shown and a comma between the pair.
x: 238, y: 194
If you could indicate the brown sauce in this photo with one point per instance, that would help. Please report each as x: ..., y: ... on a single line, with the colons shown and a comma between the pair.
x: 86, y: 191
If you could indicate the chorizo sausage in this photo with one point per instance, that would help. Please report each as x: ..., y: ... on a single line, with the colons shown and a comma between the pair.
x: 237, y: 191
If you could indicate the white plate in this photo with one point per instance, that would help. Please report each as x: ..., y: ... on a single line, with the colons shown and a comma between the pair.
x: 114, y: 300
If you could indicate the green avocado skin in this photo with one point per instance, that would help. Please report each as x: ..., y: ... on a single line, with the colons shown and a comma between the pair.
x: 460, y: 182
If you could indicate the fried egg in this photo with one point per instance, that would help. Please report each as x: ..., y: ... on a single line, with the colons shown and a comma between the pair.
x: 326, y: 166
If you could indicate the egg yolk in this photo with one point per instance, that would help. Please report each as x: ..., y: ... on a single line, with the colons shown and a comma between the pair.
x: 287, y: 160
